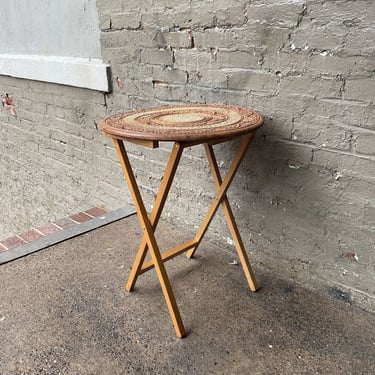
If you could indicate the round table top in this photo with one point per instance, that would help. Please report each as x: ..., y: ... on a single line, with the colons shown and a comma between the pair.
x: 192, y: 122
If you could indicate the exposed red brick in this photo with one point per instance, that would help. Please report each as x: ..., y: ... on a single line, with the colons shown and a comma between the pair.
x: 81, y: 217
x: 13, y: 242
x: 66, y: 222
x: 31, y: 235
x: 48, y: 228
x: 95, y: 211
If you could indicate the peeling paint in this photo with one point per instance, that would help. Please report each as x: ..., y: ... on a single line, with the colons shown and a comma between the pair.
x: 120, y: 84
x: 157, y: 83
x: 353, y: 257
x: 8, y: 104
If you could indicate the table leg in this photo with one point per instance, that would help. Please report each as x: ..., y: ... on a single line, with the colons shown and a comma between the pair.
x: 221, y: 197
x: 231, y: 221
x: 161, y: 197
x: 150, y: 238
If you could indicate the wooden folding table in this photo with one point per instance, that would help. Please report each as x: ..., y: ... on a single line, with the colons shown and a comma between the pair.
x: 186, y: 126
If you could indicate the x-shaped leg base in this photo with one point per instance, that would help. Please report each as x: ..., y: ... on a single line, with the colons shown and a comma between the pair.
x: 149, y: 223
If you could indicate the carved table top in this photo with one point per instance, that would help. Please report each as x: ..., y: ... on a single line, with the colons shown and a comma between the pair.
x: 190, y: 123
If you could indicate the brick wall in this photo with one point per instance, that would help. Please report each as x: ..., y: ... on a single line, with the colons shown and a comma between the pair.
x: 305, y: 195
x: 53, y: 160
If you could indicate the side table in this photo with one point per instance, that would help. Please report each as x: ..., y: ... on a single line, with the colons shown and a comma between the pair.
x: 185, y: 126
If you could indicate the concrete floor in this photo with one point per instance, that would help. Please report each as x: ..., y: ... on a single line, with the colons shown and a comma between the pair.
x: 64, y: 311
